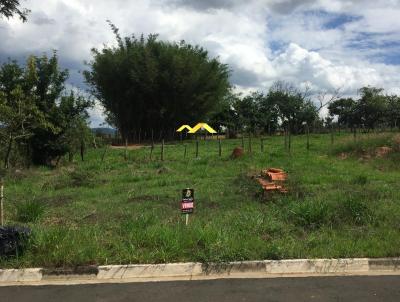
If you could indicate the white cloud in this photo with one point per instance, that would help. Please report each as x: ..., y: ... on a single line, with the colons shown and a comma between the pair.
x: 243, y: 34
x: 300, y: 65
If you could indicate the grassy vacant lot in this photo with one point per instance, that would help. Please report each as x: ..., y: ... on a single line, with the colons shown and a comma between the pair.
x: 343, y: 202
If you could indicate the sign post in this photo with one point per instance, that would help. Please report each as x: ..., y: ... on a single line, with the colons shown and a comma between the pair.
x: 187, y: 204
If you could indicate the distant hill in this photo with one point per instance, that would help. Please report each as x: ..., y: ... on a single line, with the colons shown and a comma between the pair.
x: 104, y: 130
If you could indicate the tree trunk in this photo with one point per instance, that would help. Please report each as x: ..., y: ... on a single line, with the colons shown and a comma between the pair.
x: 8, y: 153
x: 126, y: 149
x: 82, y: 150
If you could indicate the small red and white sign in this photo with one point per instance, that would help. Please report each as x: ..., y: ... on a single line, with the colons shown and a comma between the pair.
x: 187, y: 204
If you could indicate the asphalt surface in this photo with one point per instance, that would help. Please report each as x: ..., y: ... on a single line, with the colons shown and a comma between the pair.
x: 365, y: 289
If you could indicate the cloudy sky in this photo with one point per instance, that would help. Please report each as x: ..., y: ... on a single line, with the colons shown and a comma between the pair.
x: 327, y: 44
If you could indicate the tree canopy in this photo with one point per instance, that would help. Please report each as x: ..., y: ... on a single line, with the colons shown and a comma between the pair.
x: 36, y: 112
x: 282, y: 106
x: 373, y: 108
x: 144, y: 83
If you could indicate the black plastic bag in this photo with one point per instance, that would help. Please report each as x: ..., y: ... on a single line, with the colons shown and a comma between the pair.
x: 13, y: 240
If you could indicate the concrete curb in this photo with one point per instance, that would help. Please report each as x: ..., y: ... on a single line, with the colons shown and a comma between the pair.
x: 192, y: 270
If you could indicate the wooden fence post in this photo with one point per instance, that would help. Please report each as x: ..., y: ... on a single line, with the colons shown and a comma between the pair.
x: 104, y: 153
x: 262, y: 145
x: 184, y: 153
x: 126, y: 149
x: 242, y: 141
x: 197, y: 148
x: 162, y: 150
x: 250, y: 143
x: 285, y: 133
x: 308, y: 137
x: 219, y: 147
x: 1, y: 200
x: 151, y: 150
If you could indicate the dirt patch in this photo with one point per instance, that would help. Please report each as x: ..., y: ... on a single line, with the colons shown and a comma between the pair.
x: 383, y: 151
x: 55, y: 221
x: 237, y: 152
x: 212, y: 205
x: 57, y: 201
x: 266, y: 237
x: 130, y: 147
x: 18, y: 174
x: 163, y: 170
x: 92, y: 217
x: 396, y: 142
x: 366, y: 155
x: 148, y: 198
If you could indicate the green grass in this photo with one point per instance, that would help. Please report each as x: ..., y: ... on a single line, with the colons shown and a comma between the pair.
x: 119, y: 211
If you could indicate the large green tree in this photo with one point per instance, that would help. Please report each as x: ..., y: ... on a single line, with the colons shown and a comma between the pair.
x: 144, y: 83
x: 372, y: 106
x: 35, y: 108
x: 393, y: 111
x: 293, y: 106
x: 345, y: 109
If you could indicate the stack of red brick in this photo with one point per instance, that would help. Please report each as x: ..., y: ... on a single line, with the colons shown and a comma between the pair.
x: 273, y: 179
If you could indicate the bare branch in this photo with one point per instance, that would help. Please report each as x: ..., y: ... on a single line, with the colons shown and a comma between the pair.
x: 325, y: 98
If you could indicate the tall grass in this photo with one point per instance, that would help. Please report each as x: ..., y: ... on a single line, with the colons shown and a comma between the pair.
x: 127, y: 211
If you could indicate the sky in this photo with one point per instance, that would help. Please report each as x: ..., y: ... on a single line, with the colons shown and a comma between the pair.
x: 322, y: 44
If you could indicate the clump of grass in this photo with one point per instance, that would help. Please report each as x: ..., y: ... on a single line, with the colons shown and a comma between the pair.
x: 246, y: 184
x: 360, y: 180
x: 310, y: 214
x: 355, y: 211
x: 81, y: 178
x: 29, y: 211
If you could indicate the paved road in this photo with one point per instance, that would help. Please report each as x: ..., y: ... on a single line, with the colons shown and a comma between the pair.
x: 365, y: 289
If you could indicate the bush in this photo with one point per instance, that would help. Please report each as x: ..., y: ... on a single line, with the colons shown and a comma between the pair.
x: 29, y: 211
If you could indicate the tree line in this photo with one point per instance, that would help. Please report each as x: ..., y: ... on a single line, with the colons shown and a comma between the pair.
x: 286, y: 108
x: 283, y: 107
x: 373, y: 108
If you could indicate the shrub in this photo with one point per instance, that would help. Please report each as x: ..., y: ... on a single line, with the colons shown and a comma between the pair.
x: 29, y: 211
